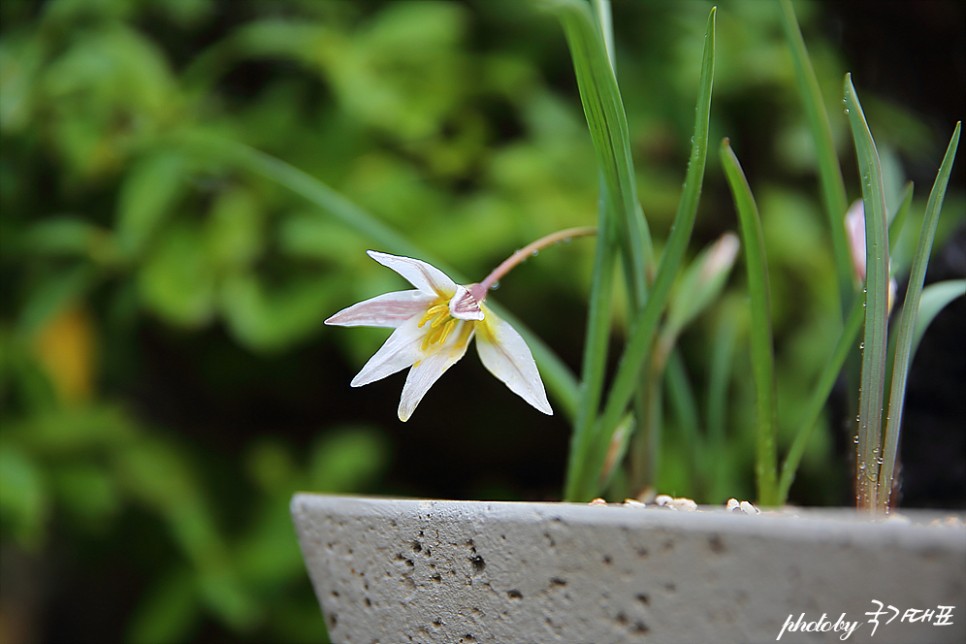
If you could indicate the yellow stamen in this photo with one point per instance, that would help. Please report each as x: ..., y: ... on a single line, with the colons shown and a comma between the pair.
x: 447, y: 330
x: 438, y: 333
x: 435, y: 313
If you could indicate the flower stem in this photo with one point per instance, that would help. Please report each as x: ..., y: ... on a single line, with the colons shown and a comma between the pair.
x: 480, y: 290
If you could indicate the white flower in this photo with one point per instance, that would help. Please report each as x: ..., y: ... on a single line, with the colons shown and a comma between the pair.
x: 433, y: 327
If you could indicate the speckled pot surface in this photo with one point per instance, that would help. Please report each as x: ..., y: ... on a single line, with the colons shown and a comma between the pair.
x: 455, y: 571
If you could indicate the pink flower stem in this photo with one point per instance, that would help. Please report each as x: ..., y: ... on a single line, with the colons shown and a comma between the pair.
x: 480, y: 290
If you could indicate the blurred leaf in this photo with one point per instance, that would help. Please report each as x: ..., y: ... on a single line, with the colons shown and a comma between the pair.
x: 305, y: 235
x: 401, y: 73
x: 897, y: 230
x: 223, y: 592
x: 23, y: 497
x: 109, y: 88
x: 819, y: 394
x: 159, y: 475
x: 149, y: 195
x: 155, y: 473
x: 168, y: 612
x: 934, y: 299
x: 346, y: 459
x: 721, y: 371
x: 177, y: 281
x: 700, y: 284
x: 73, y: 432
x: 264, y: 38
x: 52, y: 295
x: 762, y: 345
x: 64, y: 236
x: 907, y: 332
x: 64, y: 12
x: 300, y: 622
x: 270, y: 464
x: 87, y: 491
x: 267, y: 556
x: 20, y: 60
x: 235, y: 230
x: 182, y: 12
x: 272, y: 320
x: 684, y: 408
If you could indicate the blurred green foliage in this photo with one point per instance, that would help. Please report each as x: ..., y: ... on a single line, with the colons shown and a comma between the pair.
x: 165, y: 380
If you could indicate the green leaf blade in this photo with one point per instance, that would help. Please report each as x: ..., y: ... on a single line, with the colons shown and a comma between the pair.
x: 829, y: 170
x: 638, y: 349
x: 607, y: 122
x: 875, y: 336
x: 907, y: 325
x: 762, y: 353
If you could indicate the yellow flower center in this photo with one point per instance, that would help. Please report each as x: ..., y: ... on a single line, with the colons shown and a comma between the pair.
x: 441, y: 324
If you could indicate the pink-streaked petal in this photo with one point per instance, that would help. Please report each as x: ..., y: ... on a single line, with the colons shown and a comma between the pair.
x: 505, y: 354
x: 425, y: 277
x: 401, y: 350
x: 463, y: 306
x: 428, y: 370
x: 388, y: 310
x: 855, y: 229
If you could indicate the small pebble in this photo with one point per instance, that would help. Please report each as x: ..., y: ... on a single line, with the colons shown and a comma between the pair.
x: 686, y: 505
x: 748, y: 508
x: 679, y: 503
x: 742, y: 507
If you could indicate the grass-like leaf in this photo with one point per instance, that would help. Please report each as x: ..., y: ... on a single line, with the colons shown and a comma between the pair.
x: 594, y: 362
x: 644, y: 326
x: 875, y: 336
x: 897, y: 225
x: 722, y: 364
x: 597, y: 336
x: 607, y: 122
x: 934, y: 299
x: 829, y: 170
x: 908, y: 322
x: 699, y: 286
x: 683, y: 404
x: 818, y: 397
x: 898, y: 220
x: 762, y: 352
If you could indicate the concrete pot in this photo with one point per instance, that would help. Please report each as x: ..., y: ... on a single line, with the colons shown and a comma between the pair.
x: 456, y: 571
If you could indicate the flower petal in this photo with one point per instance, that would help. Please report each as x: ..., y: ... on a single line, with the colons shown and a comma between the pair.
x: 428, y: 370
x: 425, y: 277
x: 505, y: 354
x: 463, y: 306
x: 388, y: 310
x: 855, y: 229
x: 401, y: 350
